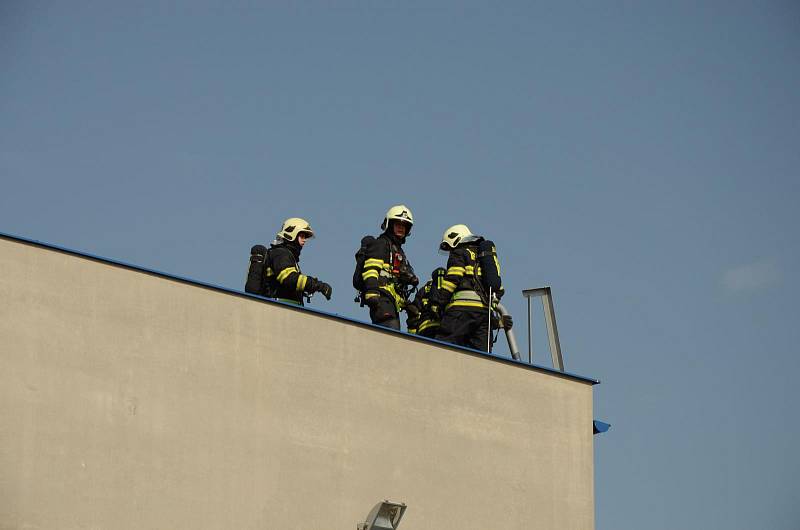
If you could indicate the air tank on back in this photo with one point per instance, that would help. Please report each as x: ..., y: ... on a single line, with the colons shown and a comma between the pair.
x: 487, y: 258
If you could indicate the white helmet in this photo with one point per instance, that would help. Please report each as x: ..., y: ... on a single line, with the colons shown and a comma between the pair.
x: 455, y: 235
x: 401, y: 212
x: 293, y: 226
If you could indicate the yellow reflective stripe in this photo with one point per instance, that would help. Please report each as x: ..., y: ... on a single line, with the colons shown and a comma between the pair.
x: 465, y: 303
x: 369, y: 274
x: 390, y: 291
x: 398, y: 300
x: 373, y: 262
x: 302, y: 280
x: 427, y: 324
x: 287, y: 301
x: 448, y: 286
x: 285, y: 273
x: 455, y: 271
x: 469, y: 269
x: 466, y: 295
x: 497, y: 264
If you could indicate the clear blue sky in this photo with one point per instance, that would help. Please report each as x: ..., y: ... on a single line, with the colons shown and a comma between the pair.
x: 641, y: 159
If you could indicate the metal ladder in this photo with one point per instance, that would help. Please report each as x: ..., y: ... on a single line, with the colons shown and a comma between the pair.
x: 550, y: 321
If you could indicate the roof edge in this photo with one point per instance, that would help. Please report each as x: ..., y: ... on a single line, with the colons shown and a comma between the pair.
x: 260, y: 299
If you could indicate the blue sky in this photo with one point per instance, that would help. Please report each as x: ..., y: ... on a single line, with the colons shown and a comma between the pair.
x: 641, y: 159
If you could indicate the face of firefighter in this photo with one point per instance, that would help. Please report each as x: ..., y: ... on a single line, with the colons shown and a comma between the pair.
x: 301, y: 238
x: 399, y: 228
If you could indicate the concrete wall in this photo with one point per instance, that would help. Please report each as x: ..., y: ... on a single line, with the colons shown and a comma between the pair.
x: 131, y: 401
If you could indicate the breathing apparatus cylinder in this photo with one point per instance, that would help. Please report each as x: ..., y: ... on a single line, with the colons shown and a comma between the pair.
x: 490, y: 267
x: 256, y: 274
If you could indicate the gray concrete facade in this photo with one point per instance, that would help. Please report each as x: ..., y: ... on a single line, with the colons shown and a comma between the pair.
x: 131, y: 401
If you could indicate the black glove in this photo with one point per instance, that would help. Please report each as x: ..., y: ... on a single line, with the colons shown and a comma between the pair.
x: 325, y: 289
x: 508, y: 322
x: 412, y: 310
x: 316, y: 286
x: 435, y: 311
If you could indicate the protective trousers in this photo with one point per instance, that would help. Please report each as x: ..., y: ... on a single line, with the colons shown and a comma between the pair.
x: 465, y: 327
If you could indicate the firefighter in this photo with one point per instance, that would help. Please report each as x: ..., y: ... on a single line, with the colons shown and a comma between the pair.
x: 288, y: 283
x: 424, y: 318
x: 387, y: 275
x: 464, y: 295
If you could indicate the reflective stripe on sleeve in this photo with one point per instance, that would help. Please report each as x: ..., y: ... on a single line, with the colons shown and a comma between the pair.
x: 374, y: 262
x: 455, y: 271
x: 285, y: 273
x: 369, y: 274
x: 448, y: 286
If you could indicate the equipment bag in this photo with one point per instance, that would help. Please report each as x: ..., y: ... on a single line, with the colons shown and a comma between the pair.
x: 361, y: 257
x: 258, y: 281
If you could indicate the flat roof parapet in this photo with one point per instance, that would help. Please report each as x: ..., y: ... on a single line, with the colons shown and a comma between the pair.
x: 291, y: 307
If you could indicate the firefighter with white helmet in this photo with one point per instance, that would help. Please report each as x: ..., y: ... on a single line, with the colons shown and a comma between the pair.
x: 387, y: 274
x: 287, y: 282
x: 465, y: 296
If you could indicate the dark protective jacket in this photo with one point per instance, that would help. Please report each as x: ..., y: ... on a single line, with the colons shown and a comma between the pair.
x: 385, y: 269
x: 463, y: 286
x: 288, y: 282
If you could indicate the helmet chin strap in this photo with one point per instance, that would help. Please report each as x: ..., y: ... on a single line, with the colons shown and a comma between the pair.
x: 390, y: 234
